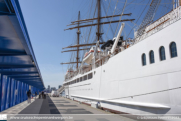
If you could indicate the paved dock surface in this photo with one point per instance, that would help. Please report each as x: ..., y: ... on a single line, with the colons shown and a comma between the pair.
x: 62, y: 107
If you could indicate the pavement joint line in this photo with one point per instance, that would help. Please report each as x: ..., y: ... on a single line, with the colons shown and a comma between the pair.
x: 88, y: 106
x: 15, y: 110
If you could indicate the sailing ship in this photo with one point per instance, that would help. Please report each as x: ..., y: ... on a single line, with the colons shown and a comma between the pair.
x: 133, y: 76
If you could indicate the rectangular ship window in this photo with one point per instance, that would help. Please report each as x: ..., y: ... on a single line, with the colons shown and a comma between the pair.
x: 77, y: 80
x: 85, y: 77
x: 90, y: 76
x: 80, y: 79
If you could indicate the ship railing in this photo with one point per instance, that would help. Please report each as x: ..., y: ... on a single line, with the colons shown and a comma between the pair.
x: 89, y: 68
x: 99, y: 62
x: 75, y: 73
x: 160, y: 24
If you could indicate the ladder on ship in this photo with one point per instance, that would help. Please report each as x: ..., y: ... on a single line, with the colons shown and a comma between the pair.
x: 148, y: 17
x: 61, y: 89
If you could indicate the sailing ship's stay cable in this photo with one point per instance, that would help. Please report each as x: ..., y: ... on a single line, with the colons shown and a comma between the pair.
x: 89, y: 30
x: 73, y: 54
x: 137, y: 21
x: 91, y: 26
x: 162, y: 12
x: 127, y: 7
x: 73, y: 40
x: 111, y: 20
x: 130, y: 6
x: 142, y: 4
x: 106, y: 15
x: 166, y: 8
x: 85, y: 33
x: 120, y: 17
x: 89, y: 33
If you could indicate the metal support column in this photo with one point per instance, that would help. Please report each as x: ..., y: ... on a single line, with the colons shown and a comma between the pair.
x: 17, y: 92
x: 3, y: 97
x: 7, y: 93
x: 1, y: 90
x: 27, y: 91
x: 21, y: 92
x: 12, y: 93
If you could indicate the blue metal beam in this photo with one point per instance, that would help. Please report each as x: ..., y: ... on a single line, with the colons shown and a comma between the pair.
x: 9, y: 65
x: 25, y: 76
x: 10, y: 6
x: 3, y: 97
x: 29, y: 79
x: 8, y: 52
x: 17, y: 72
x: 1, y: 83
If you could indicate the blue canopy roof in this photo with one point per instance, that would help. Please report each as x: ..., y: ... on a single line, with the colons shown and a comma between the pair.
x: 17, y: 59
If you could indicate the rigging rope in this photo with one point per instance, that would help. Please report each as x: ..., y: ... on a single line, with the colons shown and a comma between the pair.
x: 106, y: 15
x: 120, y: 17
x: 136, y: 21
x: 111, y: 20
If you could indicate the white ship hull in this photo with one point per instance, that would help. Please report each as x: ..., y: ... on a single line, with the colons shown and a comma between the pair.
x: 124, y: 84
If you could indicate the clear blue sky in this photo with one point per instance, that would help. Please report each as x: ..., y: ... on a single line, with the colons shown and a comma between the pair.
x: 46, y: 21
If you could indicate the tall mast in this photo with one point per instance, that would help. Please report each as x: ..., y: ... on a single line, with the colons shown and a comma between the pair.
x: 85, y: 23
x: 78, y: 36
x: 98, y: 20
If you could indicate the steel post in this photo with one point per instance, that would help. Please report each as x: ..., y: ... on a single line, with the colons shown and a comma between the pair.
x: 7, y: 93
x: 1, y: 90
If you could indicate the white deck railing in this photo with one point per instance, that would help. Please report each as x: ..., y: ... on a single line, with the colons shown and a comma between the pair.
x: 160, y: 24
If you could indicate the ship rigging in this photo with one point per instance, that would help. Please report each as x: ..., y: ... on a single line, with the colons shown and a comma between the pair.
x: 98, y: 33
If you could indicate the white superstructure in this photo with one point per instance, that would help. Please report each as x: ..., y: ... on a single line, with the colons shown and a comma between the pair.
x: 127, y: 82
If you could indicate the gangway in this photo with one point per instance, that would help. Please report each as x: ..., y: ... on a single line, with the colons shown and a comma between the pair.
x: 61, y: 89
